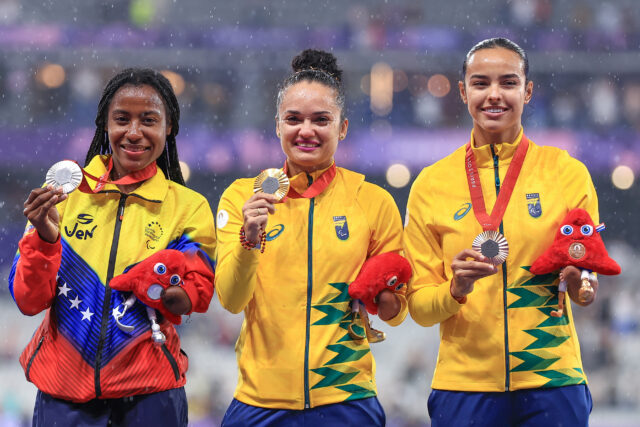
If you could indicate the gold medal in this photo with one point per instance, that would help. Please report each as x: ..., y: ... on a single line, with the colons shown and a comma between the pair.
x: 272, y: 181
x: 65, y: 174
x: 493, y: 245
x: 359, y: 312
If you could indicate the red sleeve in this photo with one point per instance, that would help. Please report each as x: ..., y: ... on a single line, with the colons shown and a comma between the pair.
x: 34, y: 285
x: 198, y: 282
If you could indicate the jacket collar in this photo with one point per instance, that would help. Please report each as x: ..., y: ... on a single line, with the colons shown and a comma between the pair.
x: 300, y: 182
x: 504, y: 150
x: 153, y: 189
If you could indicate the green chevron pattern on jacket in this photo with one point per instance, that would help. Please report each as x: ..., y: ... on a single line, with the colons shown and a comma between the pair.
x: 538, y: 297
x: 341, y: 296
x: 334, y: 305
x: 543, y: 279
x: 562, y: 377
x: 333, y: 377
x: 534, y: 360
x: 332, y: 316
x: 358, y: 390
x: 547, y: 339
x: 345, y: 354
x: 553, y: 321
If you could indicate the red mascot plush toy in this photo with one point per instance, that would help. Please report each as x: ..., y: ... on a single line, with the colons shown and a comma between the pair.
x: 149, y: 279
x: 577, y: 243
x: 385, y: 271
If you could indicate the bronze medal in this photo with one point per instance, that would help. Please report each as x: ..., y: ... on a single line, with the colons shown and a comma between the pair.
x: 577, y: 250
x: 272, y: 181
x: 493, y: 245
x: 65, y: 174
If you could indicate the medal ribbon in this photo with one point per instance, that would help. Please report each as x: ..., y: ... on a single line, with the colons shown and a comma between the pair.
x: 492, y: 222
x: 131, y: 178
x: 317, y: 187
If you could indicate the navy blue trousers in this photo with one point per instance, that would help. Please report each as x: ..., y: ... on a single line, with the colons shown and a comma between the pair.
x: 567, y: 406
x: 165, y: 408
x: 356, y: 413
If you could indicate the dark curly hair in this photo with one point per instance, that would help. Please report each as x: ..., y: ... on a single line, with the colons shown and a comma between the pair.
x: 498, y: 42
x: 315, y: 66
x: 168, y: 160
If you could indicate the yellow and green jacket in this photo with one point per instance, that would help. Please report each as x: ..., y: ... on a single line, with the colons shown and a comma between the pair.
x: 503, y: 338
x: 294, y: 351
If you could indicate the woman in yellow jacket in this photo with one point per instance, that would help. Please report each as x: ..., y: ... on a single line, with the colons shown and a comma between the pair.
x: 298, y: 364
x: 503, y: 359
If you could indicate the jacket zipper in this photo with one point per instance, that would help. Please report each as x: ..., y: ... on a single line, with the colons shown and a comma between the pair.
x: 309, y: 292
x: 33, y: 356
x: 107, y: 293
x: 172, y: 361
x: 504, y: 281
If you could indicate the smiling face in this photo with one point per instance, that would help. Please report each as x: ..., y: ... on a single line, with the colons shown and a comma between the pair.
x: 309, y: 126
x: 137, y: 128
x: 495, y: 91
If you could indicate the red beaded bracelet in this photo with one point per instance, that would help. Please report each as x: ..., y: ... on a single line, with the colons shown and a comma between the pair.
x: 250, y: 245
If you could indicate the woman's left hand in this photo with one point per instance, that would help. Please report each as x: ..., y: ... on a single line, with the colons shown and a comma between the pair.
x: 388, y: 305
x: 572, y: 275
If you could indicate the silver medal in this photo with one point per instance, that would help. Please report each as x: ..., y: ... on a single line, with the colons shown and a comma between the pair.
x: 65, y: 174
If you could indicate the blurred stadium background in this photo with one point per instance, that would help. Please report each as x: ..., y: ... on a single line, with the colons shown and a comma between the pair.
x: 402, y: 61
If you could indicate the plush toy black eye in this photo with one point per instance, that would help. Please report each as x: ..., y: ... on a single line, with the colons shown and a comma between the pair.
x: 392, y: 281
x: 159, y: 268
x: 567, y: 230
x: 175, y: 279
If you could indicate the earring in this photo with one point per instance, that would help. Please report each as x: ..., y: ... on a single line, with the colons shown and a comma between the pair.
x: 107, y: 150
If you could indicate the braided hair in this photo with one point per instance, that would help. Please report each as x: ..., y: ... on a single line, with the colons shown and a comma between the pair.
x: 315, y: 66
x: 168, y: 160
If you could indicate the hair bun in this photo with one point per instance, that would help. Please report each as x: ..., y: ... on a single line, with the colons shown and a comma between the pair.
x: 312, y: 59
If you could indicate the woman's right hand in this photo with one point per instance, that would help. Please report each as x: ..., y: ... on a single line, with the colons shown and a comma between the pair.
x: 466, y: 271
x: 255, y: 213
x: 40, y: 210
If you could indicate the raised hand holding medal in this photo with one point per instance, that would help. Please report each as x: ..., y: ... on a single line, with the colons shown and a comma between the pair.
x: 269, y: 187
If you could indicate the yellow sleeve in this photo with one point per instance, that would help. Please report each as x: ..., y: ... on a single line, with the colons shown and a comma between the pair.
x: 200, y: 228
x: 236, y: 267
x: 386, y: 231
x: 428, y: 294
x: 578, y: 188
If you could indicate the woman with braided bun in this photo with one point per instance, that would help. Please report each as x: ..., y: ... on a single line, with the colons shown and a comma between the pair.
x: 115, y: 263
x: 291, y: 268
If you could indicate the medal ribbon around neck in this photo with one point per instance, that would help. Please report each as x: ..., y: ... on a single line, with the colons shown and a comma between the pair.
x: 492, y: 222
x: 131, y: 178
x: 317, y: 187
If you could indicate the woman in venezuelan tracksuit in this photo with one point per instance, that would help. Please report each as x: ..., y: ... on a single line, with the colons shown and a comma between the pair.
x: 503, y: 359
x: 88, y: 371
x: 298, y: 365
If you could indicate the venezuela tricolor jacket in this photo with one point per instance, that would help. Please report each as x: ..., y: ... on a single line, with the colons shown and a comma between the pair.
x: 78, y: 353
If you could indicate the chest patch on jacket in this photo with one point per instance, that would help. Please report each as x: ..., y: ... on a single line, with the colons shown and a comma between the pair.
x: 342, y: 228
x: 533, y: 203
